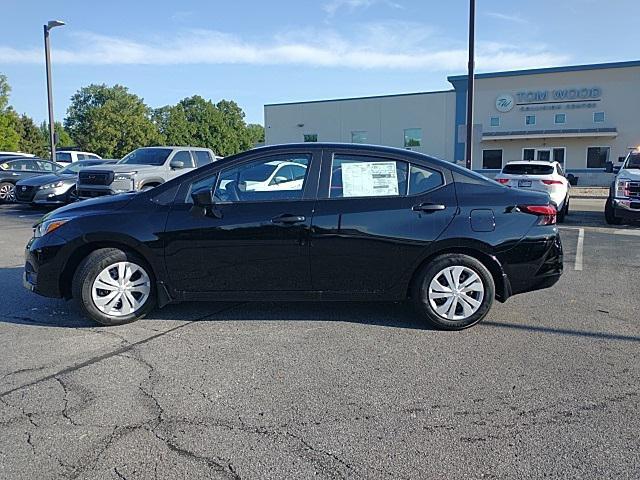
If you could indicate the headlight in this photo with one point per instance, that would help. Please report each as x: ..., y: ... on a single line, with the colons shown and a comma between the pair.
x: 125, y: 176
x: 48, y: 226
x: 52, y: 185
x: 622, y: 187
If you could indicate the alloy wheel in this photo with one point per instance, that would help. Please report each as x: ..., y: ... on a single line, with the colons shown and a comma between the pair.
x: 7, y: 192
x: 456, y: 293
x: 121, y: 289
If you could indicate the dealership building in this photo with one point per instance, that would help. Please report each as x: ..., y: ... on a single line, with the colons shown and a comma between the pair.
x: 581, y: 116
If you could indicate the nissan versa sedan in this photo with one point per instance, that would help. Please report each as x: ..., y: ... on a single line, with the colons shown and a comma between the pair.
x: 365, y: 223
x: 58, y: 188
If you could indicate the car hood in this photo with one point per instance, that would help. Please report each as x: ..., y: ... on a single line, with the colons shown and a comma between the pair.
x: 632, y: 174
x: 44, y: 179
x: 121, y: 168
x: 92, y: 206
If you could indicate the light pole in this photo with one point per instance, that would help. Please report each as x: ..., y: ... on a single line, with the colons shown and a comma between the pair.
x: 472, y: 31
x: 47, y: 56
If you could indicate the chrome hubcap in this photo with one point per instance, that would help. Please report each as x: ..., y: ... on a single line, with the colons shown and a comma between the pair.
x: 121, y: 289
x: 456, y: 293
x: 8, y: 193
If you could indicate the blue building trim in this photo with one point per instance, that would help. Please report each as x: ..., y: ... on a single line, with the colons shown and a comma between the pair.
x: 460, y: 87
x: 534, y: 71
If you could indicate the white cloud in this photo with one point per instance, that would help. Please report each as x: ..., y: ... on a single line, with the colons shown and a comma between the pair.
x: 406, y: 46
x: 350, y: 5
x: 507, y: 17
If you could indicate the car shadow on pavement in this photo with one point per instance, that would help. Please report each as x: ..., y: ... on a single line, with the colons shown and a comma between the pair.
x: 563, y: 331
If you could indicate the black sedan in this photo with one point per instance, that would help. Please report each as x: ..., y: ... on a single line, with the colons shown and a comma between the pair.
x: 355, y: 223
x: 17, y: 168
x: 58, y: 188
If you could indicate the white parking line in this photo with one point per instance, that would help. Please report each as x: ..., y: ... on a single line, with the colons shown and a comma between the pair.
x: 579, y: 248
x: 610, y: 231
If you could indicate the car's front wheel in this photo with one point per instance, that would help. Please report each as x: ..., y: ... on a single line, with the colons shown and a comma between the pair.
x: 453, y: 291
x: 610, y: 213
x: 7, y: 192
x: 114, y: 287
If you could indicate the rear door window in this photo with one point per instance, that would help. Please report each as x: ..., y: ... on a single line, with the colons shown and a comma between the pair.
x: 527, y: 169
x: 185, y: 157
x: 202, y: 157
x: 355, y: 176
x: 422, y: 180
x: 63, y: 157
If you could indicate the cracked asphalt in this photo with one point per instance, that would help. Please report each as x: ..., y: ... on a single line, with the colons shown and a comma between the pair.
x: 546, y: 387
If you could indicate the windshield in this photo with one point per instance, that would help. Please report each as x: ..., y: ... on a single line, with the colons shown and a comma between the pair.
x: 633, y: 162
x: 146, y: 156
x: 527, y: 169
x: 259, y: 173
x: 76, y: 166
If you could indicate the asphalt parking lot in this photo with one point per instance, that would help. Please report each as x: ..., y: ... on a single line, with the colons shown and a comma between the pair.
x: 546, y: 386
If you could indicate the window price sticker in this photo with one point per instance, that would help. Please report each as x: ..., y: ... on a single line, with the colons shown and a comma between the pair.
x: 369, y: 179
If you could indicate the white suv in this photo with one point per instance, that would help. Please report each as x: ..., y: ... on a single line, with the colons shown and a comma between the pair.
x: 541, y: 176
x: 65, y: 157
x: 623, y: 203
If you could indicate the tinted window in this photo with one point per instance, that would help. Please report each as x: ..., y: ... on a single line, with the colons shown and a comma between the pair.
x: 21, y: 165
x: 634, y: 161
x: 560, y: 171
x: 202, y: 157
x: 261, y: 180
x: 527, y: 169
x: 361, y: 176
x: 147, y: 156
x: 63, y: 156
x: 492, y: 159
x: 204, y: 183
x: 45, y: 166
x: 597, y: 157
x: 185, y: 157
x: 422, y: 180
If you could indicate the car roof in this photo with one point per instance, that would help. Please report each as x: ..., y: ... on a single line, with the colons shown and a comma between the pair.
x: 530, y: 162
x: 175, y: 147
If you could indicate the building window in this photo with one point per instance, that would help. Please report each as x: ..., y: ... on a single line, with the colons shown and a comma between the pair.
x: 597, y: 157
x: 530, y: 120
x: 558, y: 155
x: 412, y: 137
x: 495, y: 121
x: 560, y: 118
x: 598, y: 117
x: 310, y: 137
x: 491, y: 159
x: 528, y: 154
x: 359, y: 136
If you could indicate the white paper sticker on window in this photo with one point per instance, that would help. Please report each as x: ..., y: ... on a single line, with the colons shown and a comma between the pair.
x: 369, y: 179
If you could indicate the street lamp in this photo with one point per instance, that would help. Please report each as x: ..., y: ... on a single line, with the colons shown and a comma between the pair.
x: 47, y: 55
x: 470, y: 81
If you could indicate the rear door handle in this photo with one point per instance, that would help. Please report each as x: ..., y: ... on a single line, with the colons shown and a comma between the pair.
x: 428, y: 207
x: 288, y: 219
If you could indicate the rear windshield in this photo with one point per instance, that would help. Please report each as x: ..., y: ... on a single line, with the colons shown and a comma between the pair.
x: 525, y: 169
x: 147, y: 156
x: 633, y: 161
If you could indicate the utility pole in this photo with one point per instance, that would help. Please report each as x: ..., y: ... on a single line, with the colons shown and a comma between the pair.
x: 470, y: 81
x: 47, y: 56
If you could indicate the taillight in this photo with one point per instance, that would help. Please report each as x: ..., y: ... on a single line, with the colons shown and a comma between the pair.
x: 547, y: 213
x: 502, y: 180
x: 552, y: 182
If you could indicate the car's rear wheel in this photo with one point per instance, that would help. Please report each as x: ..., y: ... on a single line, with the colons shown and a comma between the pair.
x: 7, y: 192
x: 453, y: 291
x: 564, y: 211
x: 114, y: 287
x: 610, y: 214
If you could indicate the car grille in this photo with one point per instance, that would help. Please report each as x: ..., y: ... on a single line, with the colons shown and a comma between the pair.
x: 92, y: 193
x: 634, y: 189
x: 25, y: 193
x: 95, y: 178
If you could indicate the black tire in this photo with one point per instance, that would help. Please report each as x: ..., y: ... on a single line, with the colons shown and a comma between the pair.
x: 86, y: 274
x: 431, y: 270
x: 7, y: 192
x: 563, y: 213
x: 610, y: 213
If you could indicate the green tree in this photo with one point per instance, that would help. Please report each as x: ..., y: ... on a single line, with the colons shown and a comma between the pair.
x: 110, y: 121
x: 32, y: 139
x: 9, y: 137
x: 256, y: 133
x: 173, y: 126
x: 64, y: 139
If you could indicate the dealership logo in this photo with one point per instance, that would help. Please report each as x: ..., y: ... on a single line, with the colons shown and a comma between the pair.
x: 504, y: 103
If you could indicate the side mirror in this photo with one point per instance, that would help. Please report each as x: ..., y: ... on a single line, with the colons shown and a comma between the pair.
x: 278, y: 180
x: 202, y: 198
x: 176, y: 164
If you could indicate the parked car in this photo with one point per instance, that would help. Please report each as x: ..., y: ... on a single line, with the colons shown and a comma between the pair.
x: 623, y: 204
x: 142, y: 169
x: 58, y: 188
x: 540, y: 176
x: 4, y: 155
x: 400, y: 225
x: 13, y: 169
x: 65, y: 157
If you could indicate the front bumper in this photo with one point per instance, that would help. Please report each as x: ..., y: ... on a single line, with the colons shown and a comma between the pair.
x: 52, y: 196
x: 627, y: 209
x: 43, y: 266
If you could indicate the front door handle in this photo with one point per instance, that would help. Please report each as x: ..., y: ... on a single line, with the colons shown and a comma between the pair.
x: 287, y: 219
x: 428, y: 207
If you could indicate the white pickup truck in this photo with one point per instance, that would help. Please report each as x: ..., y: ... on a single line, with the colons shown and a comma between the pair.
x: 623, y: 204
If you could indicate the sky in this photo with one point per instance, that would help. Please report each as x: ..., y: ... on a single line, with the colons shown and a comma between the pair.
x: 259, y: 52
